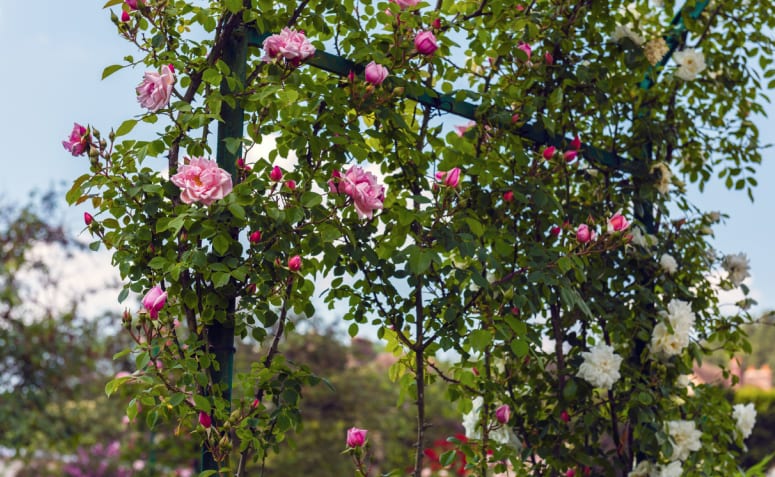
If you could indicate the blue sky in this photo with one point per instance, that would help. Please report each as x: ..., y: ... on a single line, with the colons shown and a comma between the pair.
x: 54, y: 59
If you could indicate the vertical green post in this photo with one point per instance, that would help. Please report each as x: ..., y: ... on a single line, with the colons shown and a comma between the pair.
x: 220, y: 334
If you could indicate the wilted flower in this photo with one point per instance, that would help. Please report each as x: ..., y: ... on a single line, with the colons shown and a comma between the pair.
x: 78, y: 141
x: 655, y: 50
x: 668, y: 263
x: 737, y: 266
x: 663, y: 177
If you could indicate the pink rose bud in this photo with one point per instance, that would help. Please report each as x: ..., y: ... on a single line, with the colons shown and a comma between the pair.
x: 461, y: 129
x: 515, y: 310
x: 78, y: 141
x: 290, y: 184
x: 575, y: 144
x: 250, y: 289
x: 436, y: 24
x: 201, y: 180
x: 565, y: 416
x: 425, y: 43
x: 503, y: 414
x: 205, y: 420
x: 351, y: 76
x: 124, y: 16
x: 294, y: 263
x: 154, y: 301
x: 555, y: 230
x: 548, y: 58
x: 452, y: 179
x: 617, y: 222
x: 508, y: 196
x: 375, y: 74
x: 520, y: 8
x: 155, y: 90
x: 255, y: 236
x: 241, y: 164
x: 526, y: 48
x: 132, y: 4
x: 255, y: 404
x: 333, y: 184
x: 87, y: 218
x: 584, y: 234
x: 549, y: 152
x: 570, y: 473
x: 356, y: 437
x: 569, y: 156
x: 514, y: 118
x: 277, y: 174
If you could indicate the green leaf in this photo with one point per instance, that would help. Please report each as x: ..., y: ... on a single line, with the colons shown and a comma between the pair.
x: 212, y: 76
x: 221, y: 244
x: 419, y: 260
x: 177, y: 398
x: 126, y: 127
x: 233, y: 5
x: 519, y: 347
x: 310, y: 199
x: 109, y: 70
x: 480, y: 339
x: 448, y: 458
x: 352, y: 330
x: 201, y: 403
x: 221, y: 279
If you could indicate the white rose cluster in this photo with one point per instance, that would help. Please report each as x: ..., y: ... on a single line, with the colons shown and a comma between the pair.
x: 680, y: 317
x: 745, y: 416
x: 685, y: 438
x: 601, y: 366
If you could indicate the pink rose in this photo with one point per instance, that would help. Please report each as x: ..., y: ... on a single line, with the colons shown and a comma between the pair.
x: 508, y: 196
x: 425, y: 43
x: 617, y: 222
x: 404, y: 4
x: 584, y: 234
x: 565, y: 416
x: 132, y: 4
x: 87, y: 218
x: 461, y: 129
x: 362, y: 187
x: 503, y: 414
x: 549, y: 152
x: 289, y: 44
x: 205, y: 420
x: 569, y: 156
x: 254, y: 236
x: 78, y: 141
x: 201, y: 180
x: 526, y: 48
x: 375, y: 74
x: 154, y: 301
x: 449, y: 178
x: 356, y: 437
x: 125, y: 16
x: 155, y: 90
x: 575, y: 144
x: 276, y: 174
x: 294, y: 263
x: 549, y: 58
x: 333, y: 184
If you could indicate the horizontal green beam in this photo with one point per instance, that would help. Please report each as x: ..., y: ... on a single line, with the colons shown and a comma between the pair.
x: 447, y: 102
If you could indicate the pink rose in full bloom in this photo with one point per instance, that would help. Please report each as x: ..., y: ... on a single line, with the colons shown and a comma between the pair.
x: 289, y: 44
x: 425, y: 43
x: 154, y: 301
x: 375, y: 74
x: 526, y: 48
x: 617, y: 222
x: 363, y: 189
x: 449, y: 178
x: 78, y: 141
x: 404, y: 4
x: 155, y: 90
x: 294, y: 263
x: 356, y: 437
x: 584, y: 234
x: 503, y: 414
x: 201, y: 180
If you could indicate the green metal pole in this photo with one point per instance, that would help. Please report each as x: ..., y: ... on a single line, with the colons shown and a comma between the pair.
x: 220, y: 334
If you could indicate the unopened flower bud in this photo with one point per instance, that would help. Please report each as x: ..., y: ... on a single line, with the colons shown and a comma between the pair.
x: 276, y: 175
x: 205, y: 420
x: 569, y: 156
x: 294, y: 263
x: 124, y: 16
x: 436, y: 24
x: 549, y: 58
x: 255, y: 236
x: 291, y: 185
x: 575, y: 144
x: 549, y: 152
x: 503, y: 414
x: 565, y: 416
x: 87, y: 218
x: 508, y: 196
